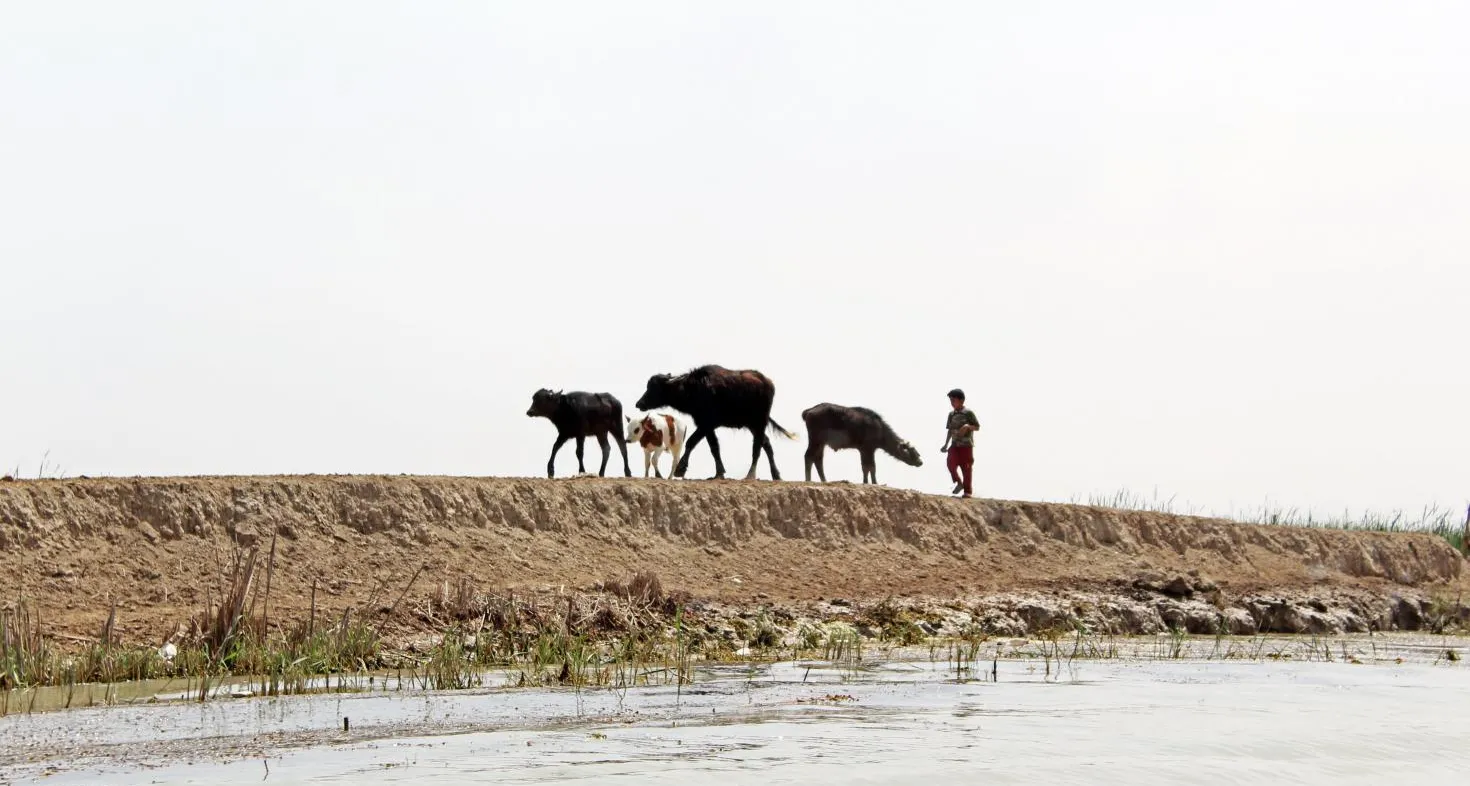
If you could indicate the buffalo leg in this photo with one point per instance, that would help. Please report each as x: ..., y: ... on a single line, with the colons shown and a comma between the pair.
x: 623, y: 449
x: 758, y: 437
x: 714, y: 449
x: 560, y: 440
x: 870, y: 466
x: 694, y: 439
x: 581, y: 468
x: 770, y: 455
x: 814, y: 459
x: 602, y: 442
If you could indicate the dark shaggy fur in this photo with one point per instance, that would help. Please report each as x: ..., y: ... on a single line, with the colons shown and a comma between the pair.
x: 838, y: 427
x: 578, y: 415
x: 717, y: 397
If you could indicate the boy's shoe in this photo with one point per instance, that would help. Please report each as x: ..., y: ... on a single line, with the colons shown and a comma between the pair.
x: 958, y: 487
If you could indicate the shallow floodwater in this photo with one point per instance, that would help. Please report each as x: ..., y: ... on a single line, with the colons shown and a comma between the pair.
x: 1101, y: 721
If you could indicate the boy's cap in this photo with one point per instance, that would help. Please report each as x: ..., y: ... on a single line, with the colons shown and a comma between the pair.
x: 957, y: 393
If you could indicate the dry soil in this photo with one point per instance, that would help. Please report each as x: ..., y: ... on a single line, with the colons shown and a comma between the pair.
x: 157, y: 547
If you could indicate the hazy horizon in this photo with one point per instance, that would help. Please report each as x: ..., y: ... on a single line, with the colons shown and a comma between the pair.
x: 1216, y: 250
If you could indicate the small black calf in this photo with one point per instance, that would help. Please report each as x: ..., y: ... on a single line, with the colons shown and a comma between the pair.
x: 578, y: 415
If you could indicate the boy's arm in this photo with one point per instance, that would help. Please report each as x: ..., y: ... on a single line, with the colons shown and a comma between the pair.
x: 972, y: 423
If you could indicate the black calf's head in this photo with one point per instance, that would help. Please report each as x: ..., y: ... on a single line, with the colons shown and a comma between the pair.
x: 543, y: 403
x: 657, y: 394
x: 908, y: 454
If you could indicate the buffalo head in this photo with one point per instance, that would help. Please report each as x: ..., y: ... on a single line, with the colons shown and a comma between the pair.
x: 908, y: 454
x: 543, y: 403
x: 657, y: 394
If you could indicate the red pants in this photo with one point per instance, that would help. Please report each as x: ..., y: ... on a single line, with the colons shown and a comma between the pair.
x: 961, y: 461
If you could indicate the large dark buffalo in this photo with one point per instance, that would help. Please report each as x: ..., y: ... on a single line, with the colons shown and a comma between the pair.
x: 837, y: 427
x: 717, y: 397
x: 579, y: 415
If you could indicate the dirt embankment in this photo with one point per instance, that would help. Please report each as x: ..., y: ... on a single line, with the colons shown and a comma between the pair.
x: 157, y: 547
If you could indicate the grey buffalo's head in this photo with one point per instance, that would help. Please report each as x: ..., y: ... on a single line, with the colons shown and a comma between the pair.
x: 908, y: 454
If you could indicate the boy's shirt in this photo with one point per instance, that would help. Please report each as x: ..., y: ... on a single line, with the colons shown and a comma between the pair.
x: 957, y: 418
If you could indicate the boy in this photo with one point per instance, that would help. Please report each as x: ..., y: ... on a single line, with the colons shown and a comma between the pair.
x: 959, y: 443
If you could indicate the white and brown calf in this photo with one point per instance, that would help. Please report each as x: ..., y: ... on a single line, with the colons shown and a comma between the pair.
x: 658, y: 432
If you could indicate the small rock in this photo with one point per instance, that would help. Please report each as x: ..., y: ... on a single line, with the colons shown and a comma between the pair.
x: 999, y: 623
x: 1039, y: 617
x: 1280, y: 616
x: 1172, y: 614
x: 1406, y: 614
x: 1351, y: 622
x: 1239, y: 622
x: 1132, y: 618
x: 1201, y: 620
x: 1179, y: 587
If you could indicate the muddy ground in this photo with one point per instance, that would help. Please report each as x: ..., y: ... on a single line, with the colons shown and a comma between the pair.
x: 159, y: 547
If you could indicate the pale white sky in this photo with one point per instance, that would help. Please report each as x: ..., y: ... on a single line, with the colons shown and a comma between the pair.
x: 1215, y: 248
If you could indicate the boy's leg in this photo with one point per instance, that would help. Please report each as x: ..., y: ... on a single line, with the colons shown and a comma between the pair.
x: 952, y: 461
x: 966, y: 460
x: 969, y: 470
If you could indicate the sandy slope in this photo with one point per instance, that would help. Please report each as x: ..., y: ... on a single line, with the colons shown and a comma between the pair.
x: 158, y: 545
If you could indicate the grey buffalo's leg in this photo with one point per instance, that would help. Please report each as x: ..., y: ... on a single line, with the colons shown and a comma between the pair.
x: 694, y: 439
x: 870, y: 466
x: 714, y: 448
x: 602, y: 442
x: 814, y: 459
x: 561, y: 439
x: 581, y: 468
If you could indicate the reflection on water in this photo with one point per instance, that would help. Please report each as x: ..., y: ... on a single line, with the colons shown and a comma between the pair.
x: 1107, y: 721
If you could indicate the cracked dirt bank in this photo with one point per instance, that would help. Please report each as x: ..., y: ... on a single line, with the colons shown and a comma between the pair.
x: 158, y: 546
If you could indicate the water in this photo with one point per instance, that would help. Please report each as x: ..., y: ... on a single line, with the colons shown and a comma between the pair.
x: 1105, y: 721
